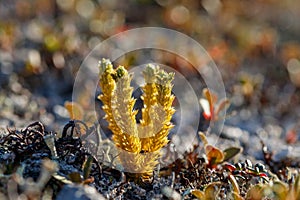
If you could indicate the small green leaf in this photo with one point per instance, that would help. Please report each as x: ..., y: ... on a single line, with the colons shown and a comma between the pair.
x: 87, y: 165
x: 75, y: 177
x: 231, y: 152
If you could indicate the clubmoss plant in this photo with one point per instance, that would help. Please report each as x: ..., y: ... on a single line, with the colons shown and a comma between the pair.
x: 139, y: 144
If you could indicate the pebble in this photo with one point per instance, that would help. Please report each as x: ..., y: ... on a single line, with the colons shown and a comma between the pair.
x: 79, y: 192
x: 170, y: 193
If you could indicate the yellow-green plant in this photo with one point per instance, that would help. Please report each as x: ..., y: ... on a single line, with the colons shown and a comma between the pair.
x: 139, y: 144
x: 275, y: 189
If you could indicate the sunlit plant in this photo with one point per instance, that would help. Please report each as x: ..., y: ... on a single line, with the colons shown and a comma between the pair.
x: 139, y: 144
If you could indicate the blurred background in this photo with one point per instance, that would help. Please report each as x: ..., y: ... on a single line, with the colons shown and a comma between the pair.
x: 255, y: 44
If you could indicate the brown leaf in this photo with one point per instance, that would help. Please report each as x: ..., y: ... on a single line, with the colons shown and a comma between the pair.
x: 214, y: 155
x: 199, y: 194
